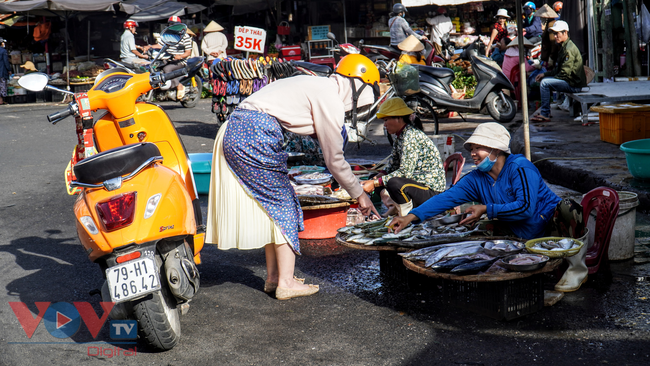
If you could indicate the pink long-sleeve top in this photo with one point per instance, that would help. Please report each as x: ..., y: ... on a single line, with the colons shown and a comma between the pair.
x: 310, y: 105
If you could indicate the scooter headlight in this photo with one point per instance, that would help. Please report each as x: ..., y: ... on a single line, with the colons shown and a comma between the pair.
x: 152, y: 203
x: 89, y: 224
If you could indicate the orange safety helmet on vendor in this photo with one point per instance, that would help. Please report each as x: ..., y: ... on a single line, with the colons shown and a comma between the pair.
x: 130, y: 23
x: 355, y: 66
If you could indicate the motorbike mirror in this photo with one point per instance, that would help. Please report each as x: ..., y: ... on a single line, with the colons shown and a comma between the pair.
x: 36, y: 81
x: 331, y: 36
x: 173, y: 34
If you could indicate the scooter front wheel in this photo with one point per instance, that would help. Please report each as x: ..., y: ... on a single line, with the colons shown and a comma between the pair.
x: 501, y: 107
x: 195, y: 94
x: 159, y: 317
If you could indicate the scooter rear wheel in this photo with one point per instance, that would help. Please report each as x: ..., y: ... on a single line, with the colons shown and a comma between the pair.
x: 158, y: 316
x: 500, y: 110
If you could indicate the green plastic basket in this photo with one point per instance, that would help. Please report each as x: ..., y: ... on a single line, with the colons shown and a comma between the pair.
x: 553, y: 253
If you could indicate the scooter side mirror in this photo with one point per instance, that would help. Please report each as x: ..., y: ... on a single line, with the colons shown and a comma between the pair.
x: 173, y: 34
x: 35, y: 82
x: 331, y: 36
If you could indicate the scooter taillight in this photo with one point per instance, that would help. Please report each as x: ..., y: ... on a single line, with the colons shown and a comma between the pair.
x: 117, y: 212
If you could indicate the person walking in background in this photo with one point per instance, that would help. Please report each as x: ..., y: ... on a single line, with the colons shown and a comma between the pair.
x: 5, y: 70
x: 568, y: 75
x: 399, y: 27
x: 441, y: 26
x: 214, y: 42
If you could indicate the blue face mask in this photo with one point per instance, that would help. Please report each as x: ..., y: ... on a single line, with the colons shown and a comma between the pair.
x: 528, y: 11
x: 487, y: 164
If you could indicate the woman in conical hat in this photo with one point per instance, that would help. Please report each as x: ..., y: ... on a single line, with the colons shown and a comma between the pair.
x: 214, y: 42
x: 411, y: 51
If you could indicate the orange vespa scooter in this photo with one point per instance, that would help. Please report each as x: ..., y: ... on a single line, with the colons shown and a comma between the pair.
x: 138, y: 215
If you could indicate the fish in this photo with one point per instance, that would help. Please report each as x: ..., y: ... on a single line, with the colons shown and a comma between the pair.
x: 354, y: 237
x: 465, y: 250
x: 438, y: 255
x: 436, y: 239
x: 473, y: 267
x: 450, y: 264
x: 418, y: 252
x: 566, y: 243
x: 345, y: 229
x: 361, y: 240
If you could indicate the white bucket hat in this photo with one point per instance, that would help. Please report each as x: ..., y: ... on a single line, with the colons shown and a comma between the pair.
x: 560, y: 26
x: 502, y: 13
x: 492, y: 135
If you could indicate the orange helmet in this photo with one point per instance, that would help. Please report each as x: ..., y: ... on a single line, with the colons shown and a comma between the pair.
x: 174, y: 19
x: 557, y: 6
x: 130, y: 23
x: 358, y: 66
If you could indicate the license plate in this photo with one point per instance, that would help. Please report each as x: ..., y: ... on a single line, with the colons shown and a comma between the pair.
x: 132, y: 279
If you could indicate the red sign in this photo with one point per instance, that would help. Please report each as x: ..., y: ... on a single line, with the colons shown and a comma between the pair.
x: 250, y: 39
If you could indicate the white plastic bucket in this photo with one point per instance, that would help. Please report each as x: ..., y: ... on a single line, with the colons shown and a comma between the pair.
x: 621, y: 245
x: 445, y: 144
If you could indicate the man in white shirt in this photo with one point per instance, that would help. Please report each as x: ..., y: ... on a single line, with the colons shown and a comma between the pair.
x: 441, y: 26
x: 128, y: 49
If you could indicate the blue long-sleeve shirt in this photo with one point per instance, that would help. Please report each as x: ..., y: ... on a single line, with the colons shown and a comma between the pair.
x: 532, y: 26
x: 519, y: 197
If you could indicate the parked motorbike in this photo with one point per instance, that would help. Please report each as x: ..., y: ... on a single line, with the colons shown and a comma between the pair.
x: 491, y: 82
x: 192, y: 82
x: 341, y: 50
x: 387, y: 53
x: 137, y: 215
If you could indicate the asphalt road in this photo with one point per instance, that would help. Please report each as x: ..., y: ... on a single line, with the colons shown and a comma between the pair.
x: 360, y: 317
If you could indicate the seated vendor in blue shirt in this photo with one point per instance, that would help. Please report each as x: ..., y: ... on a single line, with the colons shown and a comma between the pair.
x: 509, y: 187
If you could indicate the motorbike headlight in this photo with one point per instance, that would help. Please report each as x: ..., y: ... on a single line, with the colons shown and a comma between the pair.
x: 152, y: 203
x: 89, y: 224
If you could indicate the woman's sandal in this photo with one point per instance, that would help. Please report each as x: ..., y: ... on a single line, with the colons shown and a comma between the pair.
x: 269, y: 287
x: 540, y: 118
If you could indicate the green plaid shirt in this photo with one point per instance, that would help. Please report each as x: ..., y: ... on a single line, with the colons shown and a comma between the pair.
x: 416, y: 157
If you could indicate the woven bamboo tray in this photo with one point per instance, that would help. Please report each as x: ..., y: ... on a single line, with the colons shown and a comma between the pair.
x: 418, y: 266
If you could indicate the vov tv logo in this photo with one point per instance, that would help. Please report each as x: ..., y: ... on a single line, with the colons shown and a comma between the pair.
x: 63, y: 320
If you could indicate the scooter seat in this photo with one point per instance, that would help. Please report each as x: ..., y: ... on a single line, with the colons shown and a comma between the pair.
x: 322, y: 70
x: 114, y: 162
x: 437, y: 72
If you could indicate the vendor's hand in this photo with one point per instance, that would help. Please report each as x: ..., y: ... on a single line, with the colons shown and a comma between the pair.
x: 400, y: 222
x: 475, y: 212
x: 369, y: 186
x: 214, y: 54
x: 178, y: 57
x: 423, y: 38
x: 539, y: 77
x: 366, y: 206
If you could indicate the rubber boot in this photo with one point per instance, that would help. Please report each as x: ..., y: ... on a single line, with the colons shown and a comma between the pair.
x: 404, y: 208
x: 576, y: 274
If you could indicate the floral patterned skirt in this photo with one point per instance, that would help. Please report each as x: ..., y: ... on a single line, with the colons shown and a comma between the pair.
x: 252, y: 146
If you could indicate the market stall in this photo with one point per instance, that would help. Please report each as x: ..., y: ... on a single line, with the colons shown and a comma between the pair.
x: 498, y: 276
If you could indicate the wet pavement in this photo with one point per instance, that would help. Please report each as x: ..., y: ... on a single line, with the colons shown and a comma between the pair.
x: 364, y: 315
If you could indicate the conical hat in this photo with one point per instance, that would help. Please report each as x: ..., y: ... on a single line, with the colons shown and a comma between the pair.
x: 411, y: 44
x: 546, y: 12
x: 515, y: 43
x: 213, y: 27
x: 189, y: 31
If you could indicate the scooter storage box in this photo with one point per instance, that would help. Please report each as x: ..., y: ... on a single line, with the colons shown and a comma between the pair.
x: 202, y: 168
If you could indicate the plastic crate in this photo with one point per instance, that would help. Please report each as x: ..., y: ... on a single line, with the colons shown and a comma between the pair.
x: 502, y: 300
x: 392, y: 266
x: 621, y: 123
x: 623, y: 127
